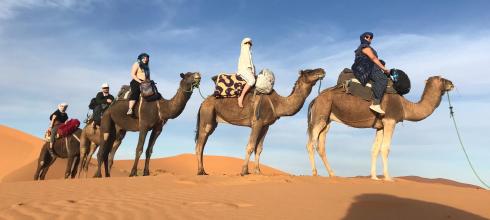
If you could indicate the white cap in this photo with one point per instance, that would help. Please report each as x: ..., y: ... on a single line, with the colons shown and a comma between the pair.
x: 63, y: 104
x: 104, y: 85
x: 247, y: 40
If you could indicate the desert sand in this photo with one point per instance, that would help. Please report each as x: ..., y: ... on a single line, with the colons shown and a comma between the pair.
x: 175, y: 192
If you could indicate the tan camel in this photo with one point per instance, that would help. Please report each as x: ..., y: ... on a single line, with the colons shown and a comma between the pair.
x: 333, y: 104
x: 89, y: 142
x: 61, y: 150
x: 269, y: 108
x: 150, y: 116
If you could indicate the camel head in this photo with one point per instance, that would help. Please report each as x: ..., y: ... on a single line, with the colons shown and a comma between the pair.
x: 311, y: 76
x: 442, y: 84
x: 190, y: 80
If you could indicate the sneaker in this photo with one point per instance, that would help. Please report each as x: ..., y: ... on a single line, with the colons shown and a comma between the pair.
x: 130, y: 112
x: 377, y: 108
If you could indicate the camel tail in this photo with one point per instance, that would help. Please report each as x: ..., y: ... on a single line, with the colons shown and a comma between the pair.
x: 310, y: 126
x: 197, y: 124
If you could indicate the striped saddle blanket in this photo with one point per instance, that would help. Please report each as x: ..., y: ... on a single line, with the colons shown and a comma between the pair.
x: 228, y: 85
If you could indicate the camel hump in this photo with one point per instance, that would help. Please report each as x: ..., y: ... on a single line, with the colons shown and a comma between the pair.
x: 124, y: 92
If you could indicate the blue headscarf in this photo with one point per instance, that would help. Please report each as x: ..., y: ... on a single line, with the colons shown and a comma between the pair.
x: 364, y: 41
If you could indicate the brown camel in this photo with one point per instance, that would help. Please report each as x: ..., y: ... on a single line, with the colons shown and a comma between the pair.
x: 269, y: 109
x: 149, y: 116
x: 333, y: 104
x: 61, y: 150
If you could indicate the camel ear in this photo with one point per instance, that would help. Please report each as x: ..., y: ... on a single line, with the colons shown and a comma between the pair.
x: 182, y: 75
x: 425, y: 82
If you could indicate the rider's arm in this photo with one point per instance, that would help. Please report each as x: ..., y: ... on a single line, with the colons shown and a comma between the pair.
x: 373, y: 57
x: 52, y: 121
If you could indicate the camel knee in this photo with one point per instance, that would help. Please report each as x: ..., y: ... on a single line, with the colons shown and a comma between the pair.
x: 385, y: 151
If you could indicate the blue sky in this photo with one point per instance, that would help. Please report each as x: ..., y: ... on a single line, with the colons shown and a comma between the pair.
x: 62, y: 50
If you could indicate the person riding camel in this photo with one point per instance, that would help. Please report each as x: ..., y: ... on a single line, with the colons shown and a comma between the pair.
x: 103, y: 99
x: 57, y: 118
x: 246, y: 68
x: 140, y: 72
x: 367, y: 66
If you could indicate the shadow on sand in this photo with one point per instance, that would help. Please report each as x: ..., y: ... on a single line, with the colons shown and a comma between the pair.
x: 382, y: 206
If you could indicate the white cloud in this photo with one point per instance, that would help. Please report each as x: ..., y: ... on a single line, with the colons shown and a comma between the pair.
x: 9, y: 8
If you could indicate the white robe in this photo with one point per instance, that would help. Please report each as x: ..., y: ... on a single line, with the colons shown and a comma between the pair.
x: 246, y: 68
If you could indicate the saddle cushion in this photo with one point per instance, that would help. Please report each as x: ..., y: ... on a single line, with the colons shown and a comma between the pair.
x: 228, y: 85
x: 68, y: 127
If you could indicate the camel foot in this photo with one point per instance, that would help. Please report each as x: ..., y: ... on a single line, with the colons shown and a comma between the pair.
x: 98, y: 175
x: 331, y: 174
x: 146, y: 173
x: 201, y: 173
x: 375, y: 178
x: 133, y: 173
x: 389, y: 179
x: 257, y: 171
x: 244, y: 171
x: 314, y: 172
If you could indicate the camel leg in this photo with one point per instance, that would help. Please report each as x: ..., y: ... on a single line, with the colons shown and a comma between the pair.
x: 88, y: 158
x: 102, y: 154
x: 119, y: 136
x: 139, y: 151
x: 149, y: 150
x: 313, y: 135
x: 389, y: 128
x: 206, y: 126
x: 258, y: 149
x: 48, y: 163
x: 43, y: 160
x: 74, y: 169
x: 69, y: 166
x: 252, y: 143
x: 321, y: 149
x: 375, y: 151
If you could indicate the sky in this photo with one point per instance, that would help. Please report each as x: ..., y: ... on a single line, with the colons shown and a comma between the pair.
x: 54, y: 51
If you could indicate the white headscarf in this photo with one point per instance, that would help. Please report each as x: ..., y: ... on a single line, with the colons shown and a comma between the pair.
x: 245, y: 62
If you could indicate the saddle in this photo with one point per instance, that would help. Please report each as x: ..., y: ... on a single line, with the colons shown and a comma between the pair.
x: 64, y: 130
x: 228, y: 85
x: 352, y: 86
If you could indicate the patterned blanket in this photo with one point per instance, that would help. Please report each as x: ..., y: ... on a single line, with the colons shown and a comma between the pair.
x: 228, y: 85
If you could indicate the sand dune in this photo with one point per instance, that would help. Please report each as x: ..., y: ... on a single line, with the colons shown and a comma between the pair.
x: 175, y: 192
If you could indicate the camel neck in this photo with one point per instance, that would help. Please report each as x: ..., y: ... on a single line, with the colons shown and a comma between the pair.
x: 431, y: 98
x: 175, y: 106
x: 290, y: 105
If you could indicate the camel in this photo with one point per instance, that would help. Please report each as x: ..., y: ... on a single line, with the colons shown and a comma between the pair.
x: 150, y: 116
x: 89, y: 142
x: 333, y: 104
x: 268, y: 108
x: 62, y: 151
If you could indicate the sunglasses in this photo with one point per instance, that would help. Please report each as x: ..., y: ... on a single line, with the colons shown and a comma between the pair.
x: 105, y: 88
x: 368, y: 37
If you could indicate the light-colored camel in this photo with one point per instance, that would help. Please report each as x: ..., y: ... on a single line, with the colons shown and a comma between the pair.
x: 150, y: 116
x: 333, y: 104
x: 269, y: 109
x: 61, y: 150
x: 89, y: 142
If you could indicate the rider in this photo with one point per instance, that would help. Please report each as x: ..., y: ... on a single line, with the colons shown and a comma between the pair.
x: 140, y: 72
x: 367, y: 66
x: 57, y: 118
x: 246, y: 68
x: 103, y: 99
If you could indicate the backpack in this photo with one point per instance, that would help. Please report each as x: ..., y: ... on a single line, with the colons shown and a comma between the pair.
x: 265, y: 81
x: 92, y: 104
x: 401, y: 82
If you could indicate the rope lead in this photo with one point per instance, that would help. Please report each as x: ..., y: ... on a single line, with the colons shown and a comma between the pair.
x: 451, y: 115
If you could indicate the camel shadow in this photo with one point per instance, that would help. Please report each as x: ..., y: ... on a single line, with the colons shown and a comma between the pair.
x: 382, y: 206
